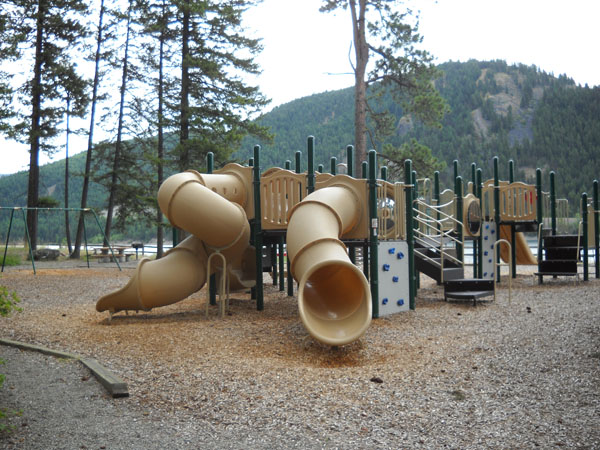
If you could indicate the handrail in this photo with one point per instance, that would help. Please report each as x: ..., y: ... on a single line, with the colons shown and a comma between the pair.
x: 498, y: 264
x: 434, y: 224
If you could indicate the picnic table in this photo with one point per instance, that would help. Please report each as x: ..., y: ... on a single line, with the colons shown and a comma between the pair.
x: 103, y: 254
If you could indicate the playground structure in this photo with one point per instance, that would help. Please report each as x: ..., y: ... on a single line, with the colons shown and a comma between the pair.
x: 322, y: 219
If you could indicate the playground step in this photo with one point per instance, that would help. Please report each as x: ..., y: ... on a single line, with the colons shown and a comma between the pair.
x: 433, y: 269
x: 560, y: 240
x: 562, y: 253
x: 557, y: 266
x: 468, y: 289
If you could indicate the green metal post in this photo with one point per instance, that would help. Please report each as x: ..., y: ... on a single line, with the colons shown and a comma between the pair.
x: 281, y: 265
x: 513, y: 231
x: 584, y: 217
x: 384, y: 173
x: 12, y: 213
x: 350, y: 160
x: 479, y: 193
x: 350, y: 172
x: 364, y: 169
x: 251, y: 162
x: 288, y: 164
x: 298, y: 161
x: 212, y: 281
x: 273, y: 250
x: 475, y: 241
x: 553, y: 203
x: 596, y: 203
x: 415, y: 195
x: 410, y: 233
x: 310, y: 178
x: 497, y: 209
x: 458, y: 192
x: 333, y: 165
x: 540, y: 217
x: 374, y: 281
x: 436, y: 196
x: 455, y: 170
x: 257, y: 230
x: 320, y: 168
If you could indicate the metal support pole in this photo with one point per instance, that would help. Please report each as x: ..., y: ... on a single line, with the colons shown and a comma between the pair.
x: 475, y: 241
x: 540, y: 219
x: 281, y: 265
x: 458, y: 192
x: 28, y: 239
x: 333, y: 165
x: 479, y: 193
x: 374, y: 282
x: 384, y: 173
x: 584, y: 218
x: 410, y: 233
x: 497, y: 209
x: 596, y: 229
x: 212, y: 281
x: 257, y: 230
x: 553, y: 203
x: 310, y: 177
x: 513, y: 231
x: 350, y: 172
x: 12, y: 213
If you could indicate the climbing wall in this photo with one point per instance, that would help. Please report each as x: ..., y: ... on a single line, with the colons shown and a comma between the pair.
x: 394, y: 290
x: 488, y: 239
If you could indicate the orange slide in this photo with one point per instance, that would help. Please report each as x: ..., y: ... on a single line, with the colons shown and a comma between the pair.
x: 524, y: 255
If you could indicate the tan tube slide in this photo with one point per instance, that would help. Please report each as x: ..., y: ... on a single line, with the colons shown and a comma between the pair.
x: 524, y: 255
x: 334, y: 298
x: 191, y: 202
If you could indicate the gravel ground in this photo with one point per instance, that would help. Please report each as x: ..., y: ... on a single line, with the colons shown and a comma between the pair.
x: 522, y: 374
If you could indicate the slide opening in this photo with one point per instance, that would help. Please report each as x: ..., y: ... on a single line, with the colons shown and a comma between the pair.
x: 335, y: 302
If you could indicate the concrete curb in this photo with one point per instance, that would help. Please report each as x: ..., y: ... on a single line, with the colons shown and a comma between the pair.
x: 113, y: 384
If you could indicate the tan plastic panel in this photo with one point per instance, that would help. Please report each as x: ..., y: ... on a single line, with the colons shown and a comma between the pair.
x: 280, y: 191
x: 334, y: 298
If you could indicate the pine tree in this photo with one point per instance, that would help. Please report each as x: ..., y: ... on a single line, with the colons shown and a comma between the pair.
x: 45, y: 31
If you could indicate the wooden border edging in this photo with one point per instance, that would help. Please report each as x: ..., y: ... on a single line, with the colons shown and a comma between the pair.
x: 113, y: 384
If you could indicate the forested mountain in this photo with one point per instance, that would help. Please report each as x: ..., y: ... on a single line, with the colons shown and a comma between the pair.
x: 514, y: 112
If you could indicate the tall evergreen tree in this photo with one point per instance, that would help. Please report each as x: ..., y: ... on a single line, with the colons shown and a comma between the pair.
x: 44, y: 31
x: 387, y: 57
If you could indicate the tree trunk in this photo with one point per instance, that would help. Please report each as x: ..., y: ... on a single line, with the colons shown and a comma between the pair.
x: 161, y: 141
x: 117, y: 156
x: 67, y: 225
x: 184, y: 133
x: 360, y: 85
x: 88, y: 159
x: 34, y: 137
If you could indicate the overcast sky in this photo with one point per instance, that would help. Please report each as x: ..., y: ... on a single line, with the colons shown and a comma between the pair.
x: 307, y: 52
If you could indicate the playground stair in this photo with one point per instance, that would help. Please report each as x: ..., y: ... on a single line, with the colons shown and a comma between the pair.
x: 456, y: 286
x: 561, y: 255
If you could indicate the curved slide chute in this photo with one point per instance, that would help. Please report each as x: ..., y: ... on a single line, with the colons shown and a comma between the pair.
x: 524, y: 255
x: 334, y: 298
x: 217, y: 223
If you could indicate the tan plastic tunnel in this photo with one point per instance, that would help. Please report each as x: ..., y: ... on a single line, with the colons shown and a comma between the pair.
x: 334, y: 299
x: 217, y: 223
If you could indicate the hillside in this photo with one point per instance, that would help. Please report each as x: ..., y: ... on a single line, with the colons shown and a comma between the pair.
x: 514, y: 112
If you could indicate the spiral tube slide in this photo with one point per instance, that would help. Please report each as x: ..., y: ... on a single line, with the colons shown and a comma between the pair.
x: 191, y: 202
x: 334, y: 299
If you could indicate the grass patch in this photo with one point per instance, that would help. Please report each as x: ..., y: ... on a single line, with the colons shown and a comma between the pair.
x: 11, y: 259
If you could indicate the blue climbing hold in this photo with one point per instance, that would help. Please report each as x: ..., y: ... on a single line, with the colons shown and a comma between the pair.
x: 384, y: 301
x: 400, y: 302
x: 386, y: 267
x: 400, y: 255
x: 391, y: 251
x: 395, y: 279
